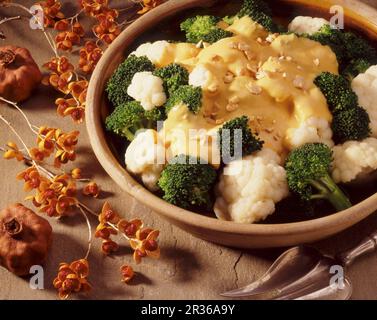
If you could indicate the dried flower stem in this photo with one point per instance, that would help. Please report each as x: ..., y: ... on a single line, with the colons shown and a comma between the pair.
x: 9, y: 19
x: 96, y: 214
x: 40, y: 23
x: 14, y: 104
x: 90, y: 237
x: 19, y: 138
x: 76, y: 15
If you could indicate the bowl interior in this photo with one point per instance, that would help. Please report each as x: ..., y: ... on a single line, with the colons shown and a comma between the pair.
x: 288, y: 210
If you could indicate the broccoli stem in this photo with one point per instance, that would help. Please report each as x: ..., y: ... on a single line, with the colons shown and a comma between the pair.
x: 329, y: 190
x: 128, y: 134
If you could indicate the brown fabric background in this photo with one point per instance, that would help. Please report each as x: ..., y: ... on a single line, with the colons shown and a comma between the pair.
x: 188, y: 269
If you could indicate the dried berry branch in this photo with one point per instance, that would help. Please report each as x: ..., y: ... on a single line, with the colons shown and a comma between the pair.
x: 56, y: 196
x: 56, y: 193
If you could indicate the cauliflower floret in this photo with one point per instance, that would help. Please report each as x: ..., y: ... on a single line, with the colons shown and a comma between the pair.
x: 145, y: 157
x: 365, y: 86
x: 354, y: 159
x: 312, y: 130
x: 148, y: 90
x: 309, y: 25
x: 200, y: 77
x: 156, y: 51
x: 250, y: 187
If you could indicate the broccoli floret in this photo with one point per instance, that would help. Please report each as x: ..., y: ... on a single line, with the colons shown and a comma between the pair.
x: 118, y: 84
x: 216, y: 34
x: 174, y: 76
x: 308, y: 175
x: 337, y: 90
x: 351, y: 124
x: 130, y: 117
x: 355, y: 68
x: 229, y: 140
x: 203, y: 28
x: 350, y: 121
x: 333, y: 38
x: 356, y: 47
x: 348, y: 47
x: 260, y: 12
x: 187, y: 183
x: 189, y: 95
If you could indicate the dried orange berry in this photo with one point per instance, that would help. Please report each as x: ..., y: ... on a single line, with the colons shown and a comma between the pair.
x: 76, y: 173
x: 91, y: 189
x: 127, y: 273
x: 109, y: 247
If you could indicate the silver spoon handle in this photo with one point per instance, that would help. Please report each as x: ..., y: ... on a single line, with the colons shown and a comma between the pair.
x: 369, y: 244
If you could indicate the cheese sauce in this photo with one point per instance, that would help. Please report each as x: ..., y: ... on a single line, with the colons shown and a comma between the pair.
x: 267, y: 77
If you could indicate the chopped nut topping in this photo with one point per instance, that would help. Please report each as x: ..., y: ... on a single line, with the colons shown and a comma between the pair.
x: 250, y: 55
x: 316, y: 62
x: 228, y: 78
x: 254, y: 89
x: 289, y: 58
x: 234, y: 99
x: 299, y: 67
x: 232, y: 107
x: 299, y: 82
x: 259, y: 40
x: 213, y: 88
x: 252, y: 68
x: 199, y: 44
x: 233, y: 45
x: 261, y: 74
x: 219, y: 121
x: 272, y: 37
x: 285, y: 75
x: 243, y: 46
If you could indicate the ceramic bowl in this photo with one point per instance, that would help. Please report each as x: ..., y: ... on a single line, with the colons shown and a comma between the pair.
x: 162, y: 23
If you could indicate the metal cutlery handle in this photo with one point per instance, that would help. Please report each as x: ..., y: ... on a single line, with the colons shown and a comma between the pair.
x: 369, y: 244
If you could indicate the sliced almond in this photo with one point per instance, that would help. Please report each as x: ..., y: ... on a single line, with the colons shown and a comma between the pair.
x: 272, y: 37
x: 250, y: 55
x: 234, y: 99
x: 252, y: 68
x: 232, y: 107
x: 228, y: 78
x: 213, y: 88
x: 254, y: 89
x: 299, y: 82
x: 243, y: 46
x: 261, y: 74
